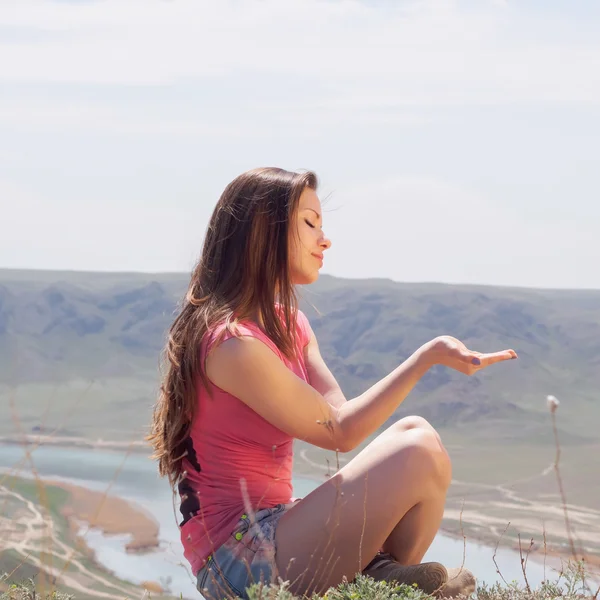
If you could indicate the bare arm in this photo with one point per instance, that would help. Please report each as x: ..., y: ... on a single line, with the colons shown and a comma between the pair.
x: 249, y: 370
x: 363, y: 415
x: 368, y: 412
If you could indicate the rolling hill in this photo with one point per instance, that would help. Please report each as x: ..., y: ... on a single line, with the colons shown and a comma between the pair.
x: 79, y: 357
x: 81, y: 351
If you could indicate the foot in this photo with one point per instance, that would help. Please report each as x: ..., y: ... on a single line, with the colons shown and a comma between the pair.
x: 461, y: 582
x: 431, y: 577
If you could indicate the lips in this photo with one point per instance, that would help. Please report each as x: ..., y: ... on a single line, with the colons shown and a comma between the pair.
x: 319, y: 256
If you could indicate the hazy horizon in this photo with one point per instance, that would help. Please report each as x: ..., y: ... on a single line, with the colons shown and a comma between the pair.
x: 349, y: 278
x: 456, y: 141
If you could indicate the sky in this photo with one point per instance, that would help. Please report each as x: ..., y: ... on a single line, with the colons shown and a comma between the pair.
x: 455, y: 141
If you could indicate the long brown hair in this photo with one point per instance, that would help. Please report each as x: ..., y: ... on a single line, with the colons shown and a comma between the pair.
x: 243, y: 273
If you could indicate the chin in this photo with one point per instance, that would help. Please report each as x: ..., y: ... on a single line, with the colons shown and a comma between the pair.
x: 306, y: 278
x: 313, y: 277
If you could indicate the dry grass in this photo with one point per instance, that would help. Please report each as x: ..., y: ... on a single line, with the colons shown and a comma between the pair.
x: 114, y: 515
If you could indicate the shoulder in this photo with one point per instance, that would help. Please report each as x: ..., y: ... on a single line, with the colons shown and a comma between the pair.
x: 240, y: 349
x: 240, y: 340
x: 245, y: 366
x: 229, y: 332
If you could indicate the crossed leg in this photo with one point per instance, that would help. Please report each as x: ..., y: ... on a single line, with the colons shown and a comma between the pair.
x: 390, y: 496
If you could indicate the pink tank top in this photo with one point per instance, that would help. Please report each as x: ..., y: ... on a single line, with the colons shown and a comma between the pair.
x: 231, y: 446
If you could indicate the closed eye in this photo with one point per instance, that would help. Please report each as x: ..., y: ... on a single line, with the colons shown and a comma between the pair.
x: 309, y: 223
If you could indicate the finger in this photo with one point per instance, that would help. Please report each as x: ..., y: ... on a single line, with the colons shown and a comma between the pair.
x: 496, y: 357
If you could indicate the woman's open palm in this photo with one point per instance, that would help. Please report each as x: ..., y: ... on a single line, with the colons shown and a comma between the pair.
x: 450, y: 352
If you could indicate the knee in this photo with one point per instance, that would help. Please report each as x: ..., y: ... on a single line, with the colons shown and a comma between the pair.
x: 424, y: 446
x: 414, y: 422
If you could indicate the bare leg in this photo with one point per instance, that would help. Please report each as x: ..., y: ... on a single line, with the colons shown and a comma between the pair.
x: 412, y: 536
x: 337, y: 529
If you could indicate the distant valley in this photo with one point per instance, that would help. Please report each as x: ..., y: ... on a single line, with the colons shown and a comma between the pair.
x: 102, y: 334
x: 79, y: 357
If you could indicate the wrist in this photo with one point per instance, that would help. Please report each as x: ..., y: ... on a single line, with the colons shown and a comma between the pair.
x: 427, y: 354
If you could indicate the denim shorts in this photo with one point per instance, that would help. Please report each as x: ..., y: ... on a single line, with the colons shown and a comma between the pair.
x: 247, y: 557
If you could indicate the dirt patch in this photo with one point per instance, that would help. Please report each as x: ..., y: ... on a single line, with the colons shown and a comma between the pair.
x: 112, y: 515
x: 153, y: 587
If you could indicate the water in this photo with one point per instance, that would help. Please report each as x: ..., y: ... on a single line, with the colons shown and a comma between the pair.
x: 134, y: 477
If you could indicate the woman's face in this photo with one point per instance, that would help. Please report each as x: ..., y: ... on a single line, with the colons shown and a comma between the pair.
x: 307, y: 240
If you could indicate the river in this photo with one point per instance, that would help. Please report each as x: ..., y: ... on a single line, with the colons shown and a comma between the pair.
x: 134, y: 477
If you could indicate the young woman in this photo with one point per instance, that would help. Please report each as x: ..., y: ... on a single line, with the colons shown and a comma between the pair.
x: 245, y: 378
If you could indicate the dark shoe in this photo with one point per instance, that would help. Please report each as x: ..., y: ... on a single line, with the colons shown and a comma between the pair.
x: 429, y: 577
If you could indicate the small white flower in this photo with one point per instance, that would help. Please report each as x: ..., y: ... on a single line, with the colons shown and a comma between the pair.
x: 552, y: 403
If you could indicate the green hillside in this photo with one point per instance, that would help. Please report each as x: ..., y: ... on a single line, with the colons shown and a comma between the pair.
x: 79, y: 356
x: 63, y: 335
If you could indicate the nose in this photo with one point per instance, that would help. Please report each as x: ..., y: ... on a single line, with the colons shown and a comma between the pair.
x: 324, y: 242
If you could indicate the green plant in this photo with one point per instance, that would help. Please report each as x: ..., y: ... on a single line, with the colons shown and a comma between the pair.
x: 361, y: 587
x: 27, y: 590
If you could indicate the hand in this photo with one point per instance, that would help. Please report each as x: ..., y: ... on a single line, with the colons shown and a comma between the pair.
x: 450, y: 352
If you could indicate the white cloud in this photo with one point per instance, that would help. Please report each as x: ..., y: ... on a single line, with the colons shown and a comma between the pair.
x: 451, y: 113
x: 86, y: 233
x: 60, y: 116
x: 416, y: 229
x: 404, y: 228
x: 429, y: 52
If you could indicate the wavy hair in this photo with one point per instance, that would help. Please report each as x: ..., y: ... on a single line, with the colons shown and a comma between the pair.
x: 243, y: 273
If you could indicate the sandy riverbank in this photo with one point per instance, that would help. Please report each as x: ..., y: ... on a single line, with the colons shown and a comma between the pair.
x: 75, y: 442
x: 475, y: 528
x: 111, y: 515
x: 39, y: 547
x: 114, y: 515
